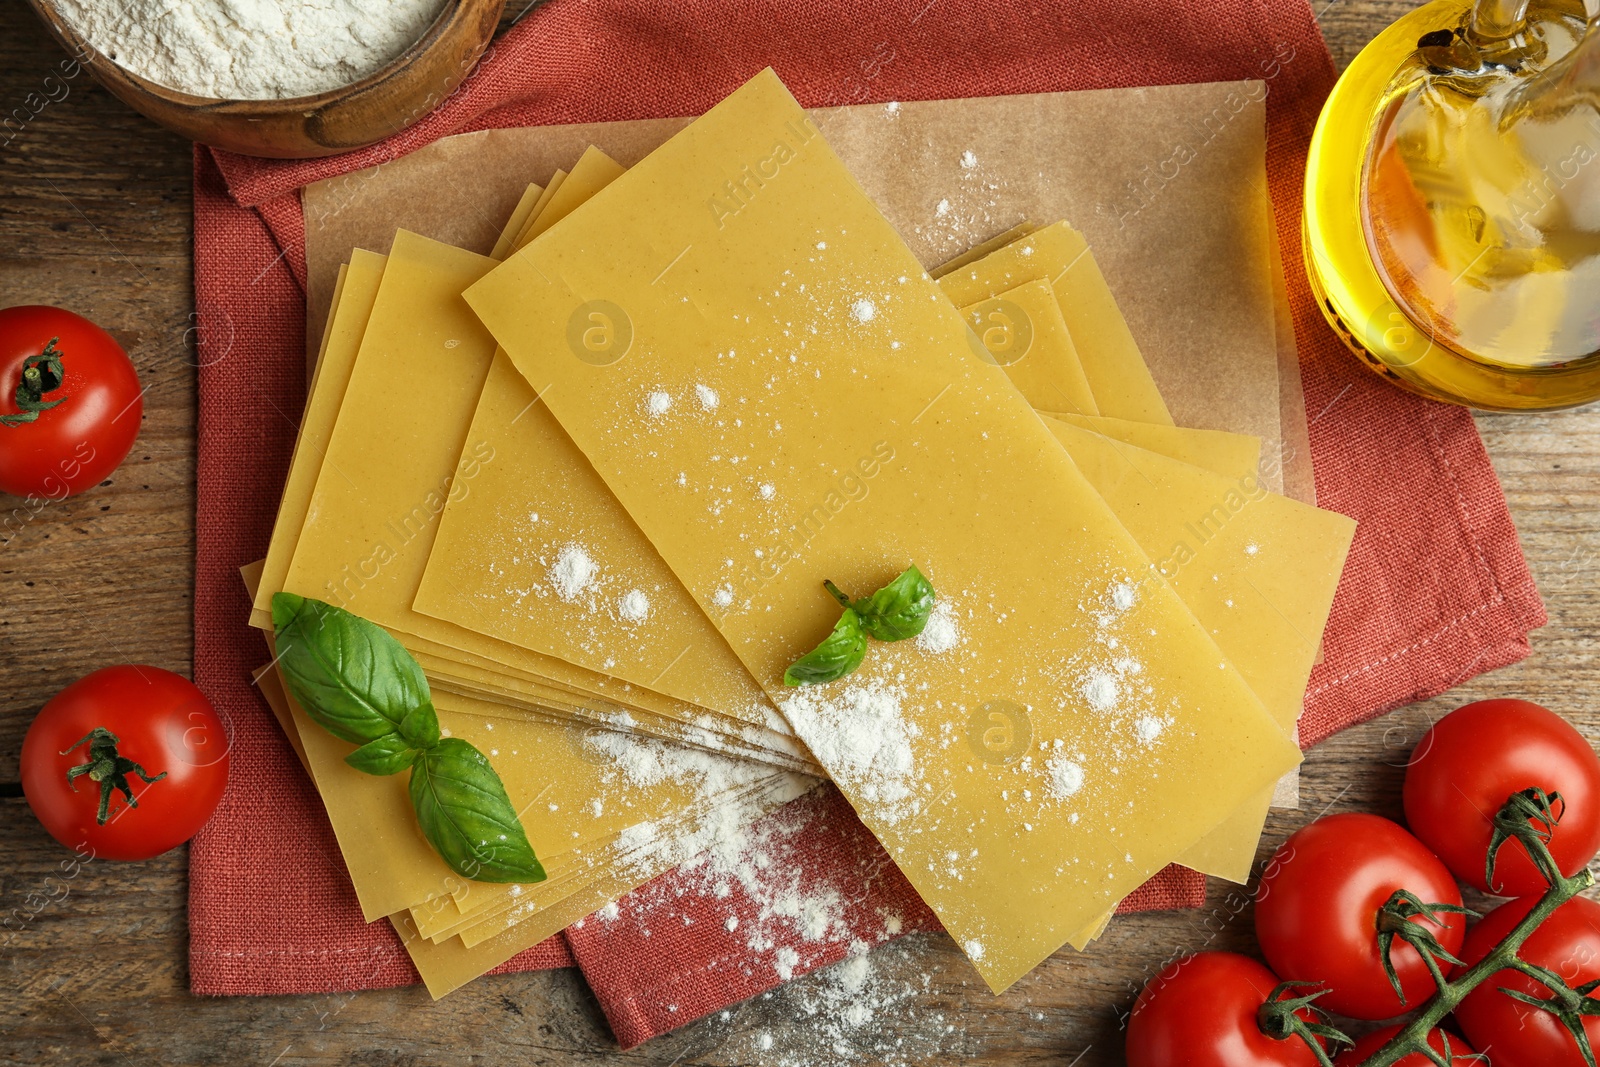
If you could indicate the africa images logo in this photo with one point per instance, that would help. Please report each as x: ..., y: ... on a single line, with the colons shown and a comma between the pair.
x: 999, y: 731
x: 599, y: 332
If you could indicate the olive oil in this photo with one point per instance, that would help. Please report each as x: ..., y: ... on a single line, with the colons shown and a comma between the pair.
x: 1452, y: 223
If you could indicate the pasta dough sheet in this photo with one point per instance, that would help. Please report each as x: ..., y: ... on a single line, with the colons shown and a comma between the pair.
x: 1059, y: 256
x: 1022, y: 331
x: 1257, y: 569
x: 925, y: 457
x: 370, y: 521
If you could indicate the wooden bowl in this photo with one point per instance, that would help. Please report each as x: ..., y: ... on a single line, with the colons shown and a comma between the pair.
x: 304, y: 127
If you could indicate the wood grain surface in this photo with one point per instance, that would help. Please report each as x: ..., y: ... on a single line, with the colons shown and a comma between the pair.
x: 95, y: 216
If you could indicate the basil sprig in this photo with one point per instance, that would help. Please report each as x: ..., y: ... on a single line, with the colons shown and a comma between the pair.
x: 897, y: 611
x: 362, y: 686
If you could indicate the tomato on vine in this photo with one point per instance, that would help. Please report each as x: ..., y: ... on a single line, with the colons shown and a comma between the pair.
x: 1517, y: 1032
x: 1218, y: 1009
x: 1466, y: 766
x: 70, y: 403
x: 1353, y: 901
x: 125, y: 763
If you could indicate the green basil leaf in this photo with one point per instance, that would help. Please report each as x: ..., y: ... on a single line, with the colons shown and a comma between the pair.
x: 465, y: 814
x: 838, y: 655
x: 420, y: 727
x: 900, y: 609
x: 355, y: 680
x: 389, y: 754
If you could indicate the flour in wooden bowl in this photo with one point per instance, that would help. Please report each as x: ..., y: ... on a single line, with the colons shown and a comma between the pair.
x: 251, y: 49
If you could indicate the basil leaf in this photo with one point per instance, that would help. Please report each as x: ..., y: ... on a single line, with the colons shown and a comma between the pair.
x: 900, y: 609
x: 466, y: 816
x: 838, y: 655
x: 355, y: 680
x: 389, y: 754
x: 420, y: 727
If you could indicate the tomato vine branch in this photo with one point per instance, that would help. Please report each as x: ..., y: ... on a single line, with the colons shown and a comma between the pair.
x: 1528, y: 817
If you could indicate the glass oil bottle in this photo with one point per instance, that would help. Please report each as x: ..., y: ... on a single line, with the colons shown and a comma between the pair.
x: 1452, y: 212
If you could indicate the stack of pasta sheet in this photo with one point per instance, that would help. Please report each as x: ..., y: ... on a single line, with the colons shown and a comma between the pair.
x: 595, y: 481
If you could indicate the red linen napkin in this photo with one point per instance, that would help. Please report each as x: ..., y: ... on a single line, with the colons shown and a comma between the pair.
x: 1436, y: 590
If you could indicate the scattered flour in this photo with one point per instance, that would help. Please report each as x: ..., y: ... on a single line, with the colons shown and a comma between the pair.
x: 968, y: 160
x: 864, y: 310
x: 730, y: 793
x: 762, y: 896
x: 634, y: 606
x: 767, y: 491
x: 892, y: 108
x: 1148, y: 728
x: 723, y: 597
x: 707, y: 396
x: 1101, y: 691
x: 574, y: 572
x: 658, y: 402
x: 861, y: 736
x: 943, y: 632
x: 1066, y: 777
x: 835, y: 1016
x: 973, y: 949
x: 1124, y: 596
x: 942, y: 208
x: 645, y: 761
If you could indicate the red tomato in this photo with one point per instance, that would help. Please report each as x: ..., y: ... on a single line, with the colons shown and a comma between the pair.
x: 1466, y: 766
x: 1201, y: 1012
x: 1317, y: 912
x: 77, y: 442
x: 1460, y: 1051
x: 1520, y: 1035
x: 168, y: 766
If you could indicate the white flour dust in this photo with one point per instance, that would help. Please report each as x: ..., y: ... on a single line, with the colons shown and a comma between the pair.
x: 866, y: 1009
x: 861, y: 736
x: 634, y: 606
x: 1065, y: 777
x: 943, y: 632
x: 573, y: 572
x: 1100, y: 690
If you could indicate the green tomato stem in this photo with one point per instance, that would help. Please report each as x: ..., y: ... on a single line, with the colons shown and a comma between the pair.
x: 1413, y: 1037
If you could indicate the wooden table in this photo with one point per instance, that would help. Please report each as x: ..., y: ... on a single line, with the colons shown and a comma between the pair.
x: 95, y: 216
